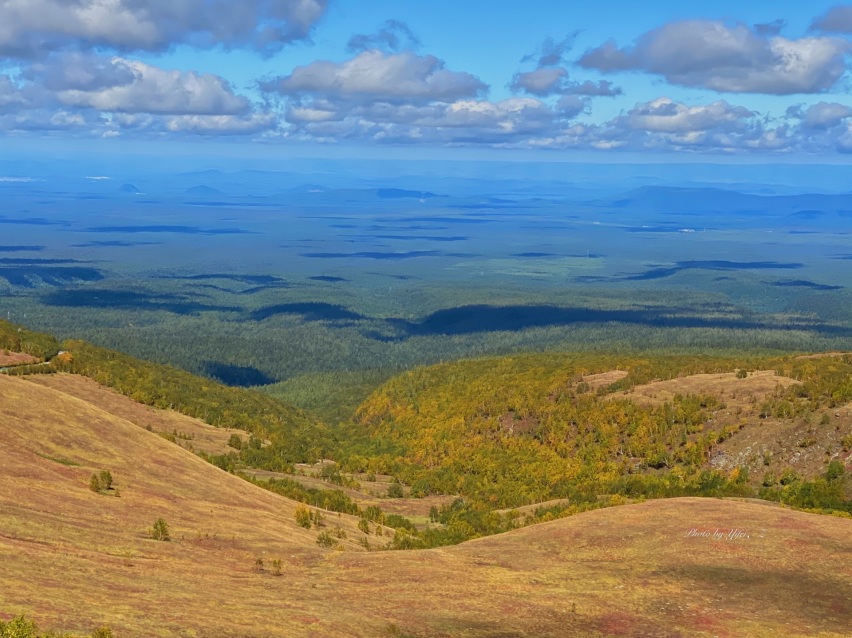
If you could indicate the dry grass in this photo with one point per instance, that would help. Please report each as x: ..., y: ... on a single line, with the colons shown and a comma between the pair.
x: 16, y: 359
x: 73, y: 559
x: 603, y: 379
x: 192, y: 433
x: 763, y: 444
x: 735, y: 392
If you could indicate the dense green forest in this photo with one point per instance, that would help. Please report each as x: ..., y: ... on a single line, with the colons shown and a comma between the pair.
x: 299, y: 341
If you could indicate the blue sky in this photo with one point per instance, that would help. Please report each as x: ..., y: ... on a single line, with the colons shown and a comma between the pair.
x: 719, y: 79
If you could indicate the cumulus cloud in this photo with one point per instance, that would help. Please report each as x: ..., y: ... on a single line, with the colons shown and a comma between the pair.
x: 14, y: 97
x: 821, y: 116
x: 667, y: 116
x: 37, y: 120
x: 30, y: 27
x: 103, y: 95
x: 393, y: 36
x: 550, y: 77
x: 836, y: 20
x: 664, y: 125
x: 377, y: 76
x: 728, y: 58
x: 552, y: 52
x: 547, y: 81
x: 130, y: 86
x: 466, y: 121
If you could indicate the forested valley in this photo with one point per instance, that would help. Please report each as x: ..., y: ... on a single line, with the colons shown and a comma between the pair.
x: 501, y: 435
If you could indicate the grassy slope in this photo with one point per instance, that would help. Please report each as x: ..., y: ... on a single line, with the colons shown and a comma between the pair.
x: 73, y: 559
x: 192, y: 433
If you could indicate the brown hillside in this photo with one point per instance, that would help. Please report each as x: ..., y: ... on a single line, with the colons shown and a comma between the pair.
x: 192, y: 433
x: 736, y: 392
x: 73, y: 559
x: 16, y: 358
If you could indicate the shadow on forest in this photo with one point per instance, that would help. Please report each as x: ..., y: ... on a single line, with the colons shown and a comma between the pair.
x: 240, y: 376
x: 130, y: 300
x: 32, y: 221
x: 14, y: 261
x: 309, y: 311
x: 435, y: 238
x: 802, y: 283
x: 475, y: 319
x: 386, y: 255
x: 716, y: 265
x: 115, y: 244
x: 438, y: 220
x: 243, y: 279
x: 31, y: 276
x: 183, y: 230
x: 20, y: 249
x: 327, y: 278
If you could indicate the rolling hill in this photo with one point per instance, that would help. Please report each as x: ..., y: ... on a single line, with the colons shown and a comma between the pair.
x: 518, y: 430
x: 74, y: 559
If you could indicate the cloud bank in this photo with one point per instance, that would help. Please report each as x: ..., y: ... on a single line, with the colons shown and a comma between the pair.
x: 72, y: 67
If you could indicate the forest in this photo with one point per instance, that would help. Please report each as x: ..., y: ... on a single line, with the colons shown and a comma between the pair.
x: 503, y: 433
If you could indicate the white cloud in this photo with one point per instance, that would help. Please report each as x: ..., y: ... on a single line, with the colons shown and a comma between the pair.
x: 728, y: 58
x: 821, y: 116
x: 836, y: 20
x: 12, y: 96
x: 393, y: 36
x: 33, y: 27
x: 546, y: 81
x: 374, y: 75
x: 664, y: 115
x: 136, y: 87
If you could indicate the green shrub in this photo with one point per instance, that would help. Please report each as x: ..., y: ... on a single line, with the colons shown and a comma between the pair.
x: 160, y: 531
x: 303, y: 517
x: 19, y: 627
x: 326, y: 540
x: 105, y: 480
x: 835, y: 470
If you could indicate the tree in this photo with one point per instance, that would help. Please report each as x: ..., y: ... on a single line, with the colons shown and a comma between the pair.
x: 106, y: 480
x: 235, y: 441
x: 160, y: 531
x: 303, y: 517
x: 95, y: 484
x: 326, y: 540
x: 18, y: 627
x: 395, y: 490
x: 835, y: 471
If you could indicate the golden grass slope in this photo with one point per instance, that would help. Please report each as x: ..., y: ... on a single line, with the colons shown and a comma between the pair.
x: 192, y: 433
x: 73, y: 559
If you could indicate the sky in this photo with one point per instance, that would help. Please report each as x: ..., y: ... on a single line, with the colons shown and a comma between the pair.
x: 437, y: 78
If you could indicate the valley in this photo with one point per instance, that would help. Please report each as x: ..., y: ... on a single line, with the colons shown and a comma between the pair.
x: 75, y: 560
